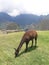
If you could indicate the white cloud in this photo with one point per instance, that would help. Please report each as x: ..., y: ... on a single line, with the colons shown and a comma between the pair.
x: 15, y: 7
x: 14, y: 13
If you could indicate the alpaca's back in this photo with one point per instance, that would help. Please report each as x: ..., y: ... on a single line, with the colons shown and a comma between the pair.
x: 30, y: 35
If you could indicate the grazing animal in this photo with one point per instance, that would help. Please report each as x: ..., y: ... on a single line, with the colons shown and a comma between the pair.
x: 29, y: 35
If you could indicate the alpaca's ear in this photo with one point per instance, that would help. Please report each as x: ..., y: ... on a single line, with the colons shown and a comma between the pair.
x: 15, y: 49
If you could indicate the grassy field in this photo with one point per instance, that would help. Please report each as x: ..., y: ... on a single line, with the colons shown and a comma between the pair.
x: 34, y: 56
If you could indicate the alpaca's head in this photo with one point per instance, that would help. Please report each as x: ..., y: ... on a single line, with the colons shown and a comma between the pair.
x: 16, y: 53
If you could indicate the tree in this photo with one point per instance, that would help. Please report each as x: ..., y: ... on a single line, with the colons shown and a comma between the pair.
x: 12, y: 26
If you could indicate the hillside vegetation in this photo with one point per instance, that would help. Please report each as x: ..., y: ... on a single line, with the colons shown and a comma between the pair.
x: 34, y: 56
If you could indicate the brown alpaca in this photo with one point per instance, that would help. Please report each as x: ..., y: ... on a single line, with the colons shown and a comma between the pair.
x: 29, y: 35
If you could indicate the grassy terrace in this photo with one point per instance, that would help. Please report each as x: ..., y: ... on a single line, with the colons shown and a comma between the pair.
x: 34, y: 56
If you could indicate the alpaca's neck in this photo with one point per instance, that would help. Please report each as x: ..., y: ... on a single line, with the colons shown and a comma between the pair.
x: 20, y: 45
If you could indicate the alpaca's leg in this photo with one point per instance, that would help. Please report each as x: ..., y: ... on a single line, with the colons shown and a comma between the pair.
x: 32, y: 43
x: 35, y: 42
x: 26, y: 46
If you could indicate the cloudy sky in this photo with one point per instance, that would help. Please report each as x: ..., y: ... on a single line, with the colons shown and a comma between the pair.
x: 16, y: 7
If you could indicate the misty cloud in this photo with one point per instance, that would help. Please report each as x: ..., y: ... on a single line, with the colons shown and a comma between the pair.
x: 15, y: 7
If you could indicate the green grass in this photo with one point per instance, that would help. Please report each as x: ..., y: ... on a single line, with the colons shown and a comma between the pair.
x: 34, y: 56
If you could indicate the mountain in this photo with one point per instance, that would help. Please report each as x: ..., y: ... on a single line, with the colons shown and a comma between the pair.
x: 44, y: 24
x: 26, y: 19
x: 22, y: 19
x: 5, y: 17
